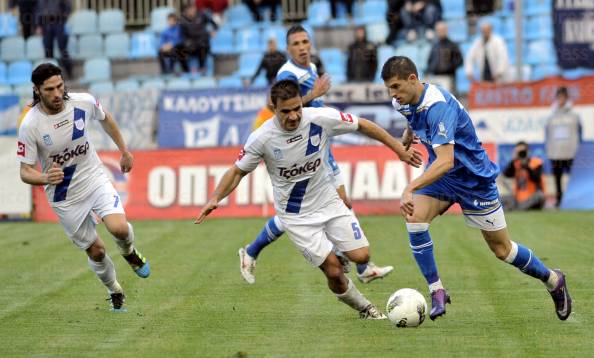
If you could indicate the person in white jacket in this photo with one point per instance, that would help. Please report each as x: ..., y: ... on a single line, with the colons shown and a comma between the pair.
x: 487, y: 57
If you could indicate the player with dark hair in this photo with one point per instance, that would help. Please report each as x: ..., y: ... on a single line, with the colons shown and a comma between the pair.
x: 53, y: 132
x: 459, y: 171
x: 294, y: 146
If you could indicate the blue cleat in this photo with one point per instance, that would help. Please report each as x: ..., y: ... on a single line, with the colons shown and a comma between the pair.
x: 439, y: 298
x: 117, y: 302
x: 561, y: 297
x: 139, y: 264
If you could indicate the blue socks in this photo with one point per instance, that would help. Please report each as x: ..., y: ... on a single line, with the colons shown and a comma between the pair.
x: 271, y: 231
x: 422, y: 249
x: 361, y: 268
x: 523, y: 258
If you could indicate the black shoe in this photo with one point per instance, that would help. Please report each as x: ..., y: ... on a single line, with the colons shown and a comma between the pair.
x: 117, y: 302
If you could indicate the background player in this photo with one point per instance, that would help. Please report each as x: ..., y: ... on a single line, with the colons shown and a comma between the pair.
x: 53, y: 131
x: 459, y: 171
x: 305, y: 201
x: 300, y: 69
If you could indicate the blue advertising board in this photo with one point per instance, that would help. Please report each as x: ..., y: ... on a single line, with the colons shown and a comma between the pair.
x: 573, y: 22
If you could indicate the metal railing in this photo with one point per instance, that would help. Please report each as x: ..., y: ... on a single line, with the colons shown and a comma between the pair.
x: 137, y: 12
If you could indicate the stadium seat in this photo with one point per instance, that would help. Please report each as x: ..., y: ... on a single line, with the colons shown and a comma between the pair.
x: 318, y: 13
x: 248, y: 63
x: 3, y: 70
x: 538, y: 7
x: 454, y: 9
x: 576, y: 73
x: 143, y: 45
x: 383, y: 54
x: 223, y: 43
x: 96, y: 69
x: 232, y: 81
x: 12, y: 49
x: 538, y: 27
x: 46, y: 60
x: 462, y: 82
x: 372, y: 11
x: 247, y: 40
x: 458, y: 30
x: 159, y: 18
x: 19, y: 72
x: 127, y: 85
x: 5, y: 90
x: 111, y: 21
x: 543, y: 71
x: 117, y: 45
x: 540, y: 52
x: 277, y: 32
x: 334, y: 60
x: 378, y: 32
x: 24, y: 90
x: 83, y: 22
x: 8, y: 25
x: 204, y: 83
x: 101, y: 88
x: 508, y: 28
x: 178, y: 84
x: 90, y: 46
x: 261, y: 81
x: 238, y: 16
x: 153, y: 83
x: 34, y: 48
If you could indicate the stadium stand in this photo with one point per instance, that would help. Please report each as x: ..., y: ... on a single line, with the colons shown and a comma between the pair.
x: 83, y: 22
x: 12, y: 49
x: 111, y: 21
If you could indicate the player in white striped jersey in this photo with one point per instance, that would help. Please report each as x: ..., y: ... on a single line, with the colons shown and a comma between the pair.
x: 294, y: 146
x: 53, y: 132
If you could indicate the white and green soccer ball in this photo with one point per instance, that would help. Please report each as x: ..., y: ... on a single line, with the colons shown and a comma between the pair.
x: 406, y: 308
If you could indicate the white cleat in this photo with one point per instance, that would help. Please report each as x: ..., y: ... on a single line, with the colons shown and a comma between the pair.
x: 247, y: 265
x: 373, y: 271
x: 371, y: 312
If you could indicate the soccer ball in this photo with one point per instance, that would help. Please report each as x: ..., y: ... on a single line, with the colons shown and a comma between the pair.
x: 406, y: 308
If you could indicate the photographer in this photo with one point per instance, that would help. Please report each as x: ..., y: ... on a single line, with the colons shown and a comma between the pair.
x: 528, y: 180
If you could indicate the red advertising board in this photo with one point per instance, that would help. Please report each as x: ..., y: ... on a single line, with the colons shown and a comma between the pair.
x: 174, y: 184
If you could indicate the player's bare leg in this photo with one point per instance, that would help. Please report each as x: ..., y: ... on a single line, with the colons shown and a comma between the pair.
x: 103, y: 267
x: 123, y: 234
x: 522, y: 257
x: 345, y: 289
x: 426, y: 208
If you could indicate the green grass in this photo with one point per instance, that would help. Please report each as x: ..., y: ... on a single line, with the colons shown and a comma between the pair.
x: 196, y: 304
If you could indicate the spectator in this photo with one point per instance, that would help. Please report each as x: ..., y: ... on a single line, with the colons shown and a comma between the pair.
x: 195, y: 36
x: 271, y: 62
x: 170, y: 45
x: 256, y: 5
x: 488, y: 55
x: 529, y: 182
x: 26, y: 10
x: 51, y: 19
x: 563, y: 134
x: 362, y: 60
x: 445, y: 56
x: 347, y: 3
x: 483, y: 7
x: 215, y: 7
x: 394, y: 20
x: 420, y: 15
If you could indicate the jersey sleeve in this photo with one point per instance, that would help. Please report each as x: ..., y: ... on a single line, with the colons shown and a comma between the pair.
x: 97, y: 112
x: 334, y: 121
x: 26, y: 145
x: 251, y: 154
x: 441, y: 120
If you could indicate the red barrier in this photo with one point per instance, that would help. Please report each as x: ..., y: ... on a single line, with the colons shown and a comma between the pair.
x: 174, y: 184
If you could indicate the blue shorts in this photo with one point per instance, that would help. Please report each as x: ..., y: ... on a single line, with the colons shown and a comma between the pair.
x: 479, y: 200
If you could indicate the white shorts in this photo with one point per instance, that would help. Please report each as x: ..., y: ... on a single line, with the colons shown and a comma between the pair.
x: 492, y: 221
x: 79, y: 219
x: 314, y: 234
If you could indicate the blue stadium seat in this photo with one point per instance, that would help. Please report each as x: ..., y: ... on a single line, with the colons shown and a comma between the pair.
x: 46, y: 60
x: 538, y: 7
x: 83, y: 22
x: 12, y: 49
x: 127, y: 85
x: 318, y: 13
x: 3, y: 70
x: 577, y: 73
x: 35, y: 50
x: 543, y: 71
x: 153, y: 83
x: 248, y: 63
x: 96, y: 69
x: 238, y: 16
x: 378, y: 32
x: 423, y: 52
x: 117, y: 45
x: 454, y: 9
x: 508, y: 28
x: 19, y: 72
x: 462, y: 82
x: 538, y: 27
x: 383, y: 54
x: 101, y: 88
x: 90, y: 46
x: 24, y: 90
x: 458, y: 30
x: 277, y: 32
x: 204, y: 83
x: 111, y: 21
x: 223, y: 43
x: 143, y: 45
x: 8, y: 25
x: 178, y: 84
x: 232, y: 81
x: 540, y: 52
x: 372, y: 11
x: 159, y: 18
x: 260, y: 81
x: 248, y: 39
x: 334, y: 60
x: 5, y: 90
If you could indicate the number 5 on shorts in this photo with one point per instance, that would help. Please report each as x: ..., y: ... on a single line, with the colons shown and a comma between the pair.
x: 356, y: 231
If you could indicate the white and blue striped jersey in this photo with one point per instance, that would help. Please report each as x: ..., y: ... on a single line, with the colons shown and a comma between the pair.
x: 62, y: 139
x: 440, y: 119
x: 295, y: 160
x: 305, y: 76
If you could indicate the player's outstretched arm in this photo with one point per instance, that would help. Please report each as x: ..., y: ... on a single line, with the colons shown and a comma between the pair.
x: 228, y: 183
x: 32, y: 176
x: 411, y: 155
x: 111, y: 128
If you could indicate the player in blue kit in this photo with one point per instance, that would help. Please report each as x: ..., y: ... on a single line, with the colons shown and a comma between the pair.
x: 458, y: 171
x: 300, y: 69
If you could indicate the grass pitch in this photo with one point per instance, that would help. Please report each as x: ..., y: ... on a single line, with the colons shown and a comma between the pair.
x: 196, y: 304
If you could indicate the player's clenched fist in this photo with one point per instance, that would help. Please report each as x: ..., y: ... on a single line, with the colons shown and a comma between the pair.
x: 55, y: 175
x: 126, y: 162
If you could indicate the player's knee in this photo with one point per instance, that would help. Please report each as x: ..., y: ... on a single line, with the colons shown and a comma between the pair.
x: 334, y: 272
x: 120, y: 231
x: 500, y: 251
x: 415, y: 219
x: 96, y: 253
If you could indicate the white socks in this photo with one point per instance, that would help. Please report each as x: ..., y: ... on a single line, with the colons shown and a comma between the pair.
x: 105, y: 271
x: 435, y: 286
x: 126, y: 246
x: 553, y: 280
x: 353, y: 297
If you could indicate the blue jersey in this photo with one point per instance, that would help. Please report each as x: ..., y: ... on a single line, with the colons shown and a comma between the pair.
x: 305, y: 76
x: 440, y: 119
